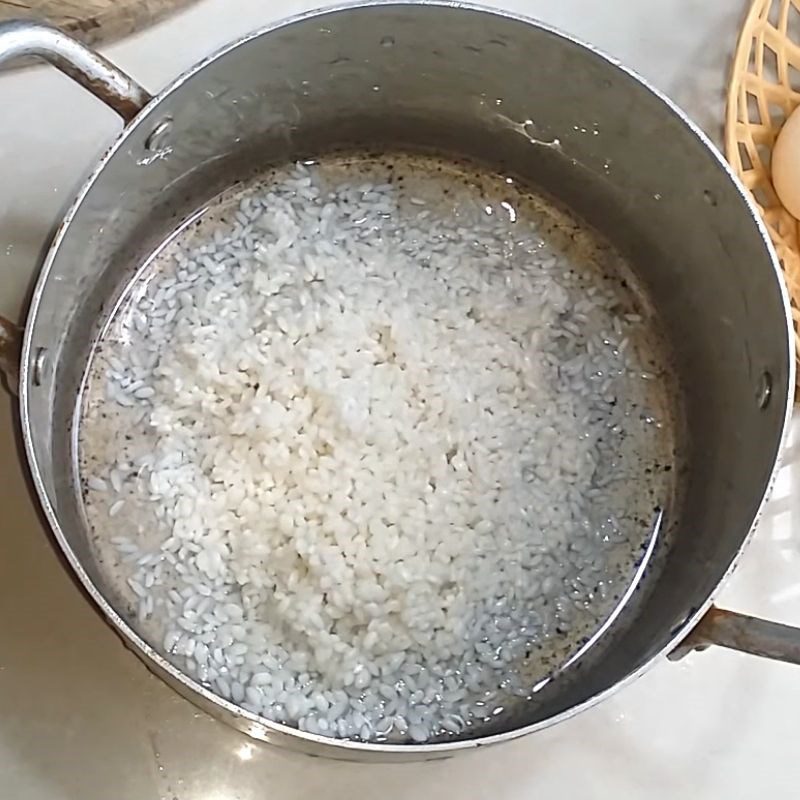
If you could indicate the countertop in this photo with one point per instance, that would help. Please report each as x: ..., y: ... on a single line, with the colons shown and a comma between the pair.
x: 80, y: 716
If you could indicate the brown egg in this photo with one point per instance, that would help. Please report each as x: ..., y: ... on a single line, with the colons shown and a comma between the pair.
x: 786, y: 164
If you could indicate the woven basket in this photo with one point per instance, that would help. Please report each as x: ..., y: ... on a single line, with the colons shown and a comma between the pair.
x: 764, y: 90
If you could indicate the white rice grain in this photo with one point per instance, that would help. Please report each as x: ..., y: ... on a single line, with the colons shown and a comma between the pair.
x: 382, y: 451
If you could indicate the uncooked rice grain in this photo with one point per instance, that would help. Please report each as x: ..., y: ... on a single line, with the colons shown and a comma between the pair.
x: 380, y: 472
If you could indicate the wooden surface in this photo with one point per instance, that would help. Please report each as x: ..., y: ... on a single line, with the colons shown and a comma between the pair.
x: 93, y: 21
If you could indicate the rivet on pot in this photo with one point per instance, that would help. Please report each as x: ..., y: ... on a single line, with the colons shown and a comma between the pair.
x: 764, y: 391
x: 38, y: 365
x: 156, y: 140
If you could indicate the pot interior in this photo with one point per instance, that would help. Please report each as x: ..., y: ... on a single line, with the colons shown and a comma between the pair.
x: 500, y: 92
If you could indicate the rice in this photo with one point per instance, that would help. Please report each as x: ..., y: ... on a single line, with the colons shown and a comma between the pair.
x: 374, y: 445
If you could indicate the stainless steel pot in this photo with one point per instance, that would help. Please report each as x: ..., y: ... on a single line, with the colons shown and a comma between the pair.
x: 493, y: 87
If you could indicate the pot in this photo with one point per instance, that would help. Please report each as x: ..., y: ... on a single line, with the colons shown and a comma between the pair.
x: 495, y: 88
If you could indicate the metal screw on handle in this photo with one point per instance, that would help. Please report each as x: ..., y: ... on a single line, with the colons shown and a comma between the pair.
x: 23, y: 38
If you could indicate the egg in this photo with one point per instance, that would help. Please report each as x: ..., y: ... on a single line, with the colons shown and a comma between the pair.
x: 786, y: 164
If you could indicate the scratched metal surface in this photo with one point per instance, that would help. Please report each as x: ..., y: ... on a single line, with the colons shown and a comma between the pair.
x: 81, y: 718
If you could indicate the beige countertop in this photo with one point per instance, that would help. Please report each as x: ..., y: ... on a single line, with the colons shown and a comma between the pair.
x: 82, y: 719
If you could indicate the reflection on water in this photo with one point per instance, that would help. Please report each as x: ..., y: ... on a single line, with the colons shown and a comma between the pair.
x: 636, y: 581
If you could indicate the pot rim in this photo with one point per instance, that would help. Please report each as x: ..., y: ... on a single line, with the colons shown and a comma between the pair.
x: 261, y: 727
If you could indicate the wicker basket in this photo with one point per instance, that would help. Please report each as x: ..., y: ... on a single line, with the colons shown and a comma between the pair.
x: 764, y: 90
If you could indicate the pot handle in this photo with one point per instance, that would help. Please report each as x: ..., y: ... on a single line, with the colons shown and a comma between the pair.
x: 22, y: 38
x: 759, y: 637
